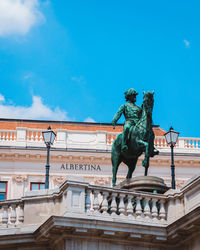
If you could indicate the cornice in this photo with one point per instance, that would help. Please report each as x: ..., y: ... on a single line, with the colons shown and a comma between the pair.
x: 92, y: 157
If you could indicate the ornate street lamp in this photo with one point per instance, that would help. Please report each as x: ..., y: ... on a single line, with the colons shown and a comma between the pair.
x: 171, y: 137
x: 48, y: 137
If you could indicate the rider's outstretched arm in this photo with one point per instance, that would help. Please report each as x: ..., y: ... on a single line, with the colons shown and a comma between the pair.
x: 118, y: 115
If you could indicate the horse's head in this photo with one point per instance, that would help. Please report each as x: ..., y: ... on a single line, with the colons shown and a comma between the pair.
x: 148, y: 101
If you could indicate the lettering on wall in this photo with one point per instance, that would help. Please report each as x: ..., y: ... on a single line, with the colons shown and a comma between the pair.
x: 84, y: 167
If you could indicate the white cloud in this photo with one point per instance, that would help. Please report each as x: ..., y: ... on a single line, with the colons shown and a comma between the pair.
x: 28, y: 76
x: 37, y: 110
x: 2, y: 98
x: 89, y: 119
x: 78, y: 79
x: 187, y: 43
x: 19, y: 16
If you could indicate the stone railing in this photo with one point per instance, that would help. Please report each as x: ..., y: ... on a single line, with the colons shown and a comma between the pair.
x: 11, y: 213
x: 183, y: 142
x: 134, y: 206
x: 75, y: 199
x: 91, y: 140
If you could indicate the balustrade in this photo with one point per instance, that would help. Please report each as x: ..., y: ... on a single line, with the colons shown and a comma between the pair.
x: 192, y: 143
x: 12, y: 214
x: 111, y: 137
x: 33, y: 137
x: 120, y: 204
x: 8, y: 135
x: 98, y: 203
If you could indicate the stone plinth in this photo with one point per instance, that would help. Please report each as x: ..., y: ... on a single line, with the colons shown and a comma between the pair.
x: 144, y: 183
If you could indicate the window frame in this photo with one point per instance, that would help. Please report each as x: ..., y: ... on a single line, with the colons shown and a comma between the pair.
x: 39, y: 183
x: 6, y: 189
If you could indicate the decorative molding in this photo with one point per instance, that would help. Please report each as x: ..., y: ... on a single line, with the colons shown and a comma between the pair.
x: 58, y: 179
x: 180, y: 183
x: 19, y: 178
x: 101, y: 181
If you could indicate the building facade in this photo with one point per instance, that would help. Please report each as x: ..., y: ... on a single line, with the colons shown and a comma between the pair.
x: 80, y: 149
x: 81, y: 210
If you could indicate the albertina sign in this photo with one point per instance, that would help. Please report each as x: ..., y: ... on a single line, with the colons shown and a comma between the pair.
x: 84, y: 167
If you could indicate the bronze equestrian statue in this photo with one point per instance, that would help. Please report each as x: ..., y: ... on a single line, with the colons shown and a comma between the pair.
x: 137, y: 136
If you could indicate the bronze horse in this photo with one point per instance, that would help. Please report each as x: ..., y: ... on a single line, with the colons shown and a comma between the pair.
x: 141, y: 139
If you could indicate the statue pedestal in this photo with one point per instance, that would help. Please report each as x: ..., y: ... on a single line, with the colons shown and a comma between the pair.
x: 144, y: 183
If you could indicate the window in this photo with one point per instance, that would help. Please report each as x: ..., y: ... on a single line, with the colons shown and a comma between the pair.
x: 37, y: 186
x: 3, y: 190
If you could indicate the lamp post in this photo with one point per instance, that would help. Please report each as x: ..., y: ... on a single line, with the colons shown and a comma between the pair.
x: 171, y: 137
x: 48, y: 136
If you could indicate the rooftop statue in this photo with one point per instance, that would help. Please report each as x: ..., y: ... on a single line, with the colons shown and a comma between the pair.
x: 137, y: 136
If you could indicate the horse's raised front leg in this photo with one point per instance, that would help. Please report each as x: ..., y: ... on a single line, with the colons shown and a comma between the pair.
x: 145, y: 162
x: 115, y: 164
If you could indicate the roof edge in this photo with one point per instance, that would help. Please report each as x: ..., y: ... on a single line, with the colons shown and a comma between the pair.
x: 62, y: 122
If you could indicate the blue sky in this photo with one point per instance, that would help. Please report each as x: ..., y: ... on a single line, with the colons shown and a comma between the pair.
x: 73, y: 60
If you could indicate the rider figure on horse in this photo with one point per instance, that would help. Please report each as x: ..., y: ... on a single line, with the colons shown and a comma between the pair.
x: 132, y: 114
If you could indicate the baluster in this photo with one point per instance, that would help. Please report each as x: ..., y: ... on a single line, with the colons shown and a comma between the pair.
x: 96, y: 202
x: 7, y: 136
x: 109, y: 139
x: 155, y: 142
x: 4, y: 136
x: 185, y: 144
x: 10, y: 136
x: 113, y: 208
x: 104, y: 207
x: 27, y: 137
x: 88, y: 201
x: 122, y: 205
x: 163, y: 141
x: 21, y: 214
x: 162, y: 213
x: 138, y: 209
x: 36, y: 136
x: 13, y: 214
x: 129, y: 208
x: 5, y: 216
x: 15, y: 136
x: 154, y: 211
x: 112, y: 139
x: 41, y: 136
x: 165, y: 144
x: 31, y: 135
x: 161, y: 144
x: 147, y: 211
